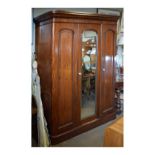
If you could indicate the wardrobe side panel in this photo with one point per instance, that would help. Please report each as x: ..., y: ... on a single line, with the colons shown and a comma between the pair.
x: 43, y: 51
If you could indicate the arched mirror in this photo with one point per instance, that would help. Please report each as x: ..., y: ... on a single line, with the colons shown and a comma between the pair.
x: 89, y: 72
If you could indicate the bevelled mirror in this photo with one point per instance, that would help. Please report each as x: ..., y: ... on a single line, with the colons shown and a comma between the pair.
x: 89, y: 73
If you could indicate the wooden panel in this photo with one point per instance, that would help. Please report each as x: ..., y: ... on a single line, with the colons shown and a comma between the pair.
x: 113, y: 134
x: 78, y: 21
x: 64, y: 71
x: 109, y: 39
x: 44, y: 55
x: 74, y: 15
x: 43, y: 51
x: 65, y: 80
x: 107, y: 76
x: 85, y: 126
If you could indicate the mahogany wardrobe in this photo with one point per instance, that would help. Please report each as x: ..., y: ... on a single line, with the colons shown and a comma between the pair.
x: 75, y: 55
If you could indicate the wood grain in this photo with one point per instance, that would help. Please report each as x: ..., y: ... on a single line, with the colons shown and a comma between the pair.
x: 58, y: 47
x: 113, y: 135
x: 75, y: 15
x: 64, y: 76
x: 43, y: 50
x: 107, y: 71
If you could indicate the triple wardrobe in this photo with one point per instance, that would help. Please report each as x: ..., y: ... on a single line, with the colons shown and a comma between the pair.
x: 75, y: 55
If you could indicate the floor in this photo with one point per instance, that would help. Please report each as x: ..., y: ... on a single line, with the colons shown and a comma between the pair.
x: 91, y: 138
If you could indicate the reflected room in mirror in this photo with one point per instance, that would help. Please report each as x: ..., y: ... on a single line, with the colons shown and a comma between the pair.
x: 88, y: 82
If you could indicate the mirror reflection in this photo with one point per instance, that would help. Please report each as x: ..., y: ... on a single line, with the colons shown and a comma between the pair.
x: 89, y: 66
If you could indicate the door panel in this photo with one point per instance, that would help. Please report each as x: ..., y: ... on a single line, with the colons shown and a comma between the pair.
x: 107, y: 76
x: 65, y: 79
x: 64, y: 71
x: 88, y: 71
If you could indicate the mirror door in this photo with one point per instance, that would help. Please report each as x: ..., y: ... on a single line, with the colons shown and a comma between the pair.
x: 88, y: 71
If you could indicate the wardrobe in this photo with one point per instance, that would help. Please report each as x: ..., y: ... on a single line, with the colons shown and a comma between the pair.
x: 75, y: 55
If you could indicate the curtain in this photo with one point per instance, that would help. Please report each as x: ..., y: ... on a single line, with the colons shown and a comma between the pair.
x: 43, y: 136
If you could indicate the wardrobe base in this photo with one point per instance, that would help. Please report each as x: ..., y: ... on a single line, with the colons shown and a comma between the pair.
x: 83, y: 128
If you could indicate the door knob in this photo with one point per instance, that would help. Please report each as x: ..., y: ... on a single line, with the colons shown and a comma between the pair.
x: 80, y: 73
x: 103, y: 69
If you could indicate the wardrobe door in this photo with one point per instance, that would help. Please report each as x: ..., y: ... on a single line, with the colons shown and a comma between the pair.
x: 64, y: 77
x: 89, y: 71
x: 107, y: 71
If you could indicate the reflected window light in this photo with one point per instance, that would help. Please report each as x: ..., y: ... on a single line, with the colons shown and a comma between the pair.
x: 107, y: 58
x: 93, y: 51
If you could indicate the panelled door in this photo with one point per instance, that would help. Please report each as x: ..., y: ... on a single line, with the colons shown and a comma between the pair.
x: 64, y: 77
x: 107, y: 68
x: 89, y: 71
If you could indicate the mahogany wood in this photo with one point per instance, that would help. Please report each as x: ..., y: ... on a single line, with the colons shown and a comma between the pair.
x: 73, y: 15
x: 58, y: 48
x: 107, y: 71
x: 43, y: 49
x: 64, y: 77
